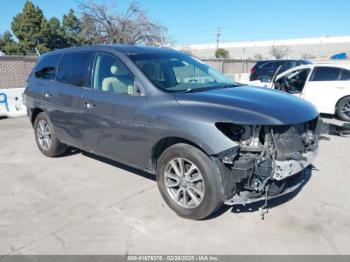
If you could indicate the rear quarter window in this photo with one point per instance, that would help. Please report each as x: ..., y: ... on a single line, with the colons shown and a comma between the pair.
x: 277, y: 64
x: 73, y: 69
x: 326, y: 74
x: 46, y: 67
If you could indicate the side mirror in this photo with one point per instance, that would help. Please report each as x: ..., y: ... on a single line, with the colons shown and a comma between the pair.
x: 138, y: 89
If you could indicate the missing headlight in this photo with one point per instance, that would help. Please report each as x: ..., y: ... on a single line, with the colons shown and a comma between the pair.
x: 232, y: 131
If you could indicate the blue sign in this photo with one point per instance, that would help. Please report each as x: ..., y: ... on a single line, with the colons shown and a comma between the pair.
x: 339, y: 56
x: 3, y: 100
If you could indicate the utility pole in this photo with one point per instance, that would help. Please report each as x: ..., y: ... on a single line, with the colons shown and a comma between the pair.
x: 218, y: 35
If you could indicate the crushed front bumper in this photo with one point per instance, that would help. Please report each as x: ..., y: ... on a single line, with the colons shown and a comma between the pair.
x: 288, y: 168
x: 295, y: 184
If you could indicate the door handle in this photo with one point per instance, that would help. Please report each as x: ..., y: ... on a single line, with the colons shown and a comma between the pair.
x: 47, y: 95
x: 89, y: 105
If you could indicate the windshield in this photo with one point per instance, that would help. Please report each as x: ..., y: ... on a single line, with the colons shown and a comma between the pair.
x: 176, y: 72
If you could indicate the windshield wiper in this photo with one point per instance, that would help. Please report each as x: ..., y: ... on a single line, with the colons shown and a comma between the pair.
x: 207, y: 88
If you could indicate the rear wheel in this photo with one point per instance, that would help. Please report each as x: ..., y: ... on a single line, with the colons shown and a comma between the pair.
x: 343, y: 109
x: 45, y: 138
x: 189, y: 182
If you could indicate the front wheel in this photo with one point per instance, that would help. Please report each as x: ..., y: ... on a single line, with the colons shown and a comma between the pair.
x: 343, y: 109
x: 189, y: 182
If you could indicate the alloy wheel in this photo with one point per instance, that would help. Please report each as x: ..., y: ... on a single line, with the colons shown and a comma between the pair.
x: 44, y: 135
x: 184, y: 183
x: 345, y: 110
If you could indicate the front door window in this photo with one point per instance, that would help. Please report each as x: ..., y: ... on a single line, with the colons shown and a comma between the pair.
x: 293, y: 82
x: 110, y: 75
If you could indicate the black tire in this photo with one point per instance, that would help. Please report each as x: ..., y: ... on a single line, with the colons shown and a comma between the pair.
x: 213, y: 190
x: 56, y: 148
x: 344, y: 103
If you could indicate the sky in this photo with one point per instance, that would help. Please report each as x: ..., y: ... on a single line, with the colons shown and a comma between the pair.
x: 196, y: 21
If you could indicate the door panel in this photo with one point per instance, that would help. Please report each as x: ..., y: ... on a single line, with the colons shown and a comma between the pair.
x: 64, y: 97
x: 65, y: 107
x: 323, y: 95
x: 114, y: 117
x: 321, y: 89
x: 115, y: 126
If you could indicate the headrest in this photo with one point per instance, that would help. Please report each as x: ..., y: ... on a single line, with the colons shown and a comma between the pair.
x: 114, y: 70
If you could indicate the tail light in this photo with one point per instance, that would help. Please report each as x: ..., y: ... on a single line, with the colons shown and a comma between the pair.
x: 253, y: 70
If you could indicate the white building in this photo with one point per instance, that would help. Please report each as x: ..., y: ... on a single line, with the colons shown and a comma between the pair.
x: 2, y: 54
x: 322, y: 47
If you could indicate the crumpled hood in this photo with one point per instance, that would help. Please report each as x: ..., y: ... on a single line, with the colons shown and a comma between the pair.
x: 249, y: 105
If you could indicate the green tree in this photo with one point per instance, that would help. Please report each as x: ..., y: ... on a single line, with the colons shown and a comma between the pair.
x: 71, y: 26
x: 8, y: 44
x: 57, y: 37
x: 222, y: 53
x: 31, y: 29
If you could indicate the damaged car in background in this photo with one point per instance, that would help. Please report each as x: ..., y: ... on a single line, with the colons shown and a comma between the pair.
x: 208, y: 140
x: 326, y: 86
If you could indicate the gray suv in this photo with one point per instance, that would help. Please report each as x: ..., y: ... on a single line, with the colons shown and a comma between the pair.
x: 208, y: 140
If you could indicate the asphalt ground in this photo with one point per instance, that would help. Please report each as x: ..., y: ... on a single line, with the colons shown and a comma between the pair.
x: 84, y: 204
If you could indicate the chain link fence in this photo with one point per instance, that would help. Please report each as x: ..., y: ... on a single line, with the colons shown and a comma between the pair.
x: 14, y: 70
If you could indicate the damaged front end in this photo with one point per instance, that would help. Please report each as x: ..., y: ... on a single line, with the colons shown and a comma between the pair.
x: 264, y: 158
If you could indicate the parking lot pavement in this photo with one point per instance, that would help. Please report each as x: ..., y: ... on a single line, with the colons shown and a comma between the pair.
x: 81, y: 204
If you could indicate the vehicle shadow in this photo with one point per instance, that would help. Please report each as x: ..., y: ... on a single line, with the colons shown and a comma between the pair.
x: 71, y: 151
x: 120, y: 166
x: 305, y: 176
x: 271, y: 203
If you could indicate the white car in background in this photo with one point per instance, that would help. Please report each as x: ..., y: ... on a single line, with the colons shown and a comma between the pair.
x: 327, y: 86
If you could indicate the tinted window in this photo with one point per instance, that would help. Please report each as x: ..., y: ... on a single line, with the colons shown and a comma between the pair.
x: 345, y: 75
x: 326, y: 74
x: 267, y: 65
x: 278, y: 64
x: 110, y: 75
x: 72, y: 69
x: 46, y: 67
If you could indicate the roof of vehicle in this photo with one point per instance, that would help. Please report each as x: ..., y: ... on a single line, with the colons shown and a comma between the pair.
x: 281, y: 60
x: 125, y: 49
x: 346, y: 66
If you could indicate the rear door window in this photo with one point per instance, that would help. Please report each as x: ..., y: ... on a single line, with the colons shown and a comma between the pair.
x: 345, y: 75
x: 73, y: 69
x: 46, y: 67
x: 325, y: 73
